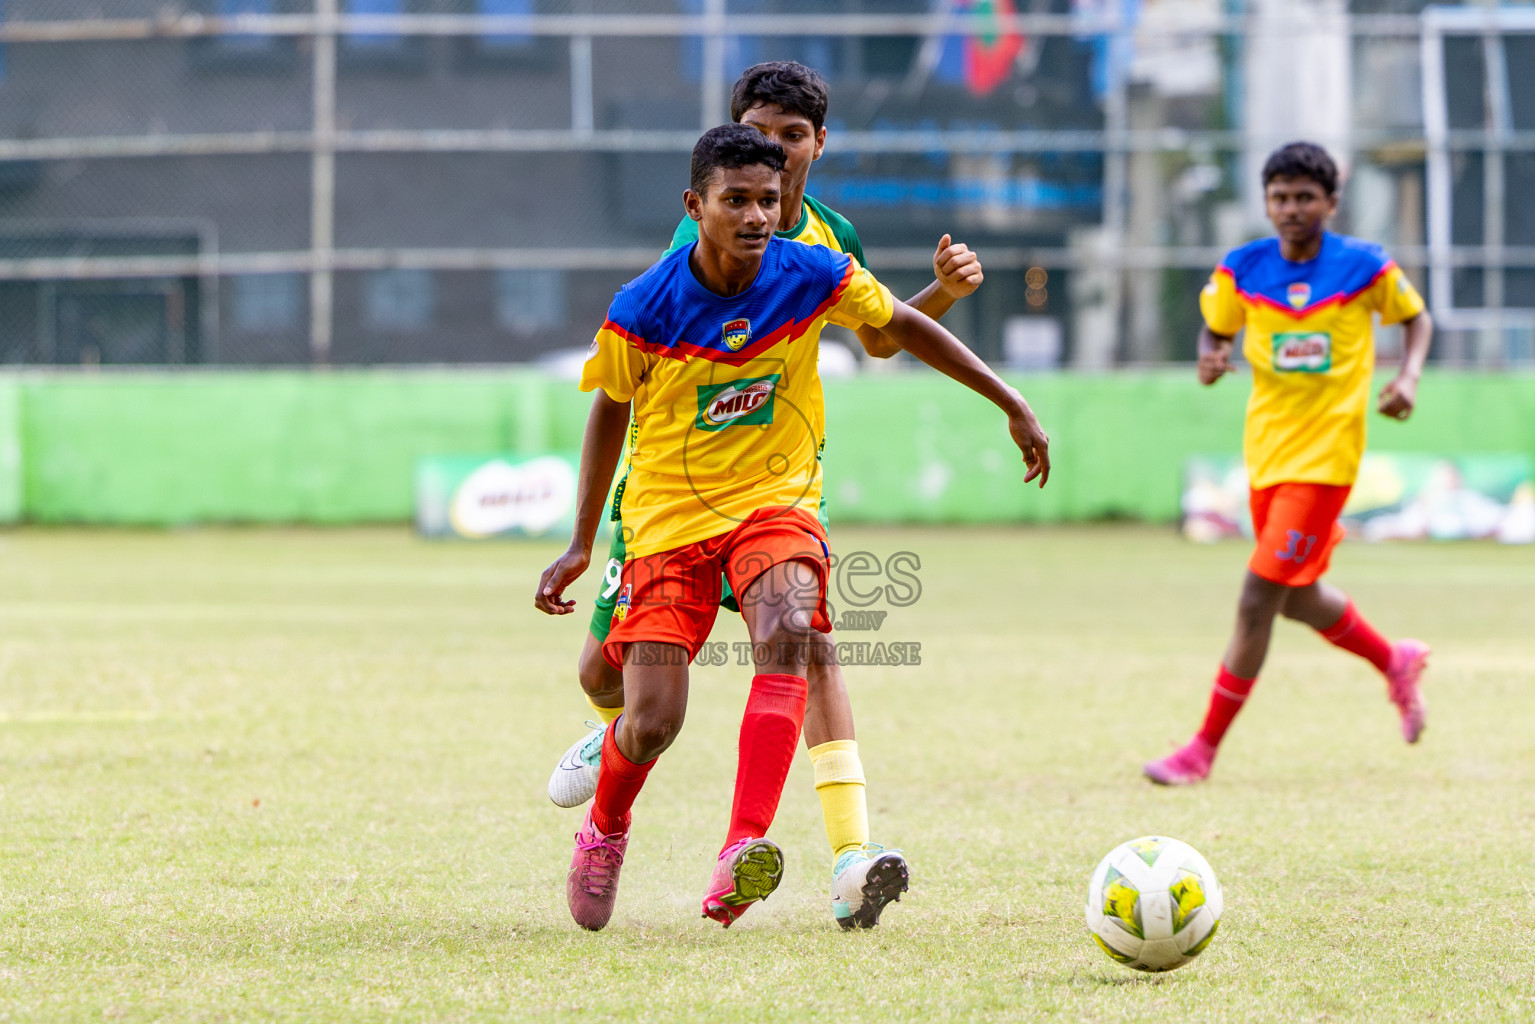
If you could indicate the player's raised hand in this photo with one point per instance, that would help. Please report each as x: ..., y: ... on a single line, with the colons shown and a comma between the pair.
x: 1032, y: 440
x: 551, y: 585
x: 957, y: 268
x: 1398, y: 398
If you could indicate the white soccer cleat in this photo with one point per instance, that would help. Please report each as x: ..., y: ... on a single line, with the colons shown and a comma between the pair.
x: 864, y: 882
x: 574, y: 781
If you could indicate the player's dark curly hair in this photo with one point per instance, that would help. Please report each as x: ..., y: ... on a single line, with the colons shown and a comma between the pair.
x: 786, y: 84
x: 1302, y: 160
x: 731, y: 145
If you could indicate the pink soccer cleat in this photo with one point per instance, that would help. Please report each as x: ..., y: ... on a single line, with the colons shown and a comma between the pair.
x: 749, y: 870
x: 591, y: 888
x: 1183, y: 767
x: 1408, y: 660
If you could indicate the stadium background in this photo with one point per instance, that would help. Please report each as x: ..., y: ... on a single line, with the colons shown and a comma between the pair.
x: 356, y: 213
x: 299, y: 774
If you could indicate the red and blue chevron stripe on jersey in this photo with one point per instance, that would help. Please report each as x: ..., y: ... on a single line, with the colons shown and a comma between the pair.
x: 1344, y: 269
x: 666, y: 310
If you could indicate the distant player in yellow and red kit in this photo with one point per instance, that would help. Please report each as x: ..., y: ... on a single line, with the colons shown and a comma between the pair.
x: 715, y: 348
x: 1306, y: 300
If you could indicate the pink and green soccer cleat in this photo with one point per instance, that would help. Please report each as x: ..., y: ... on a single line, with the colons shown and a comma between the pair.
x: 749, y: 870
x: 1183, y: 767
x: 591, y: 888
x: 1408, y: 660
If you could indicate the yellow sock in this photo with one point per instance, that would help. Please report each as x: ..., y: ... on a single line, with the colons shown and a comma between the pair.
x: 608, y: 715
x: 840, y: 785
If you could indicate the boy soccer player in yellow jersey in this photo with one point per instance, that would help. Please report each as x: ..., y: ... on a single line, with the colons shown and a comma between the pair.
x: 787, y: 102
x: 715, y: 348
x: 1305, y: 299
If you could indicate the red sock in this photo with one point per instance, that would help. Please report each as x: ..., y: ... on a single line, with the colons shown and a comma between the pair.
x: 618, y: 782
x: 1355, y: 635
x: 769, y: 735
x: 1226, y: 698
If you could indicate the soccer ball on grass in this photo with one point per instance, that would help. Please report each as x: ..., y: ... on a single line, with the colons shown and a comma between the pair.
x: 1153, y: 904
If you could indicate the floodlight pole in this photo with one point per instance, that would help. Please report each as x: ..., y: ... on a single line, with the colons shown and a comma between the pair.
x: 713, y: 105
x: 1494, y: 192
x: 582, y: 119
x: 1436, y: 122
x: 1116, y: 172
x: 322, y: 205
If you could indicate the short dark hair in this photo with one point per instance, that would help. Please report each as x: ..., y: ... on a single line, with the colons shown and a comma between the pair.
x: 731, y: 145
x: 1302, y: 160
x: 786, y: 84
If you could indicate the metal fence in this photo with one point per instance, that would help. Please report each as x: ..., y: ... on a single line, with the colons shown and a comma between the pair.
x: 373, y: 181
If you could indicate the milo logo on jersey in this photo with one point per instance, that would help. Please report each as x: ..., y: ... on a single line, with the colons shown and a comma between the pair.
x: 736, y: 403
x: 1303, y: 352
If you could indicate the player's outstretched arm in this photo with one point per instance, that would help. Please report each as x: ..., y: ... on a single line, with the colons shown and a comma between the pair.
x: 956, y: 273
x: 1214, y: 355
x: 936, y: 347
x: 1398, y: 397
x: 601, y: 447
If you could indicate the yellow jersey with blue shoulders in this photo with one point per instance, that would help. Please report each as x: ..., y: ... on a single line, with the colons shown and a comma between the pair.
x: 727, y: 405
x: 1310, y: 340
x: 818, y: 224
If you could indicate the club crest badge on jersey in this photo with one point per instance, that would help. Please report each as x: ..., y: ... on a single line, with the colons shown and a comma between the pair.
x: 1299, y: 294
x: 737, y: 333
x: 621, y: 606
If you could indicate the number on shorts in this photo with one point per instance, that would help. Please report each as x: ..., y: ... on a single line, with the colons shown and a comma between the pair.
x: 1299, y: 549
x: 612, y: 576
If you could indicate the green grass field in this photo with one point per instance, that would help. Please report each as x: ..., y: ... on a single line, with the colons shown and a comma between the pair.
x: 300, y: 776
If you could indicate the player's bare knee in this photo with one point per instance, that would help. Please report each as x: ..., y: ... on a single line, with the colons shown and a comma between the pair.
x: 794, y: 649
x: 649, y: 731
x: 1259, y: 603
x: 601, y: 681
x: 1253, y: 616
x: 823, y: 676
x: 1299, y: 603
x: 1317, y: 605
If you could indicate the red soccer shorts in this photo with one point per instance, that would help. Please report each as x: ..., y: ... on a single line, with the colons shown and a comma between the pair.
x: 1297, y: 528
x: 673, y: 596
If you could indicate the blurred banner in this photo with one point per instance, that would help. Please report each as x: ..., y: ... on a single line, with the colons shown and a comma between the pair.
x: 1397, y: 497
x: 12, y: 485
x: 475, y: 497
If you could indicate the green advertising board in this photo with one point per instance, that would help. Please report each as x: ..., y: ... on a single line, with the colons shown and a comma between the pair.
x: 341, y: 446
